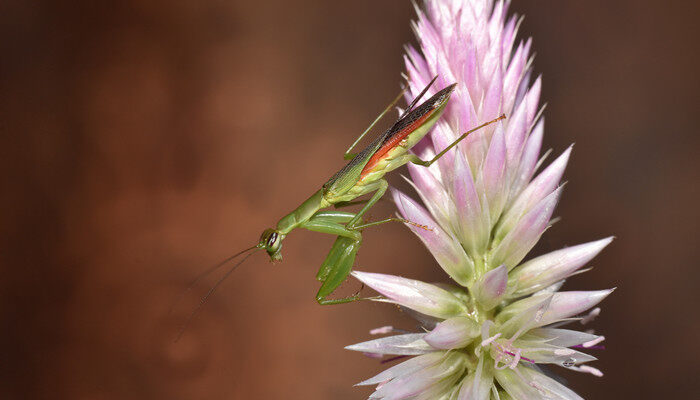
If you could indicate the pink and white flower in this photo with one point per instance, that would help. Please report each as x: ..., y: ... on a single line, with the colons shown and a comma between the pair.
x: 492, y: 329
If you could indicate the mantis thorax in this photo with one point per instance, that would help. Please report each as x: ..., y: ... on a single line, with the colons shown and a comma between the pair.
x: 271, y: 239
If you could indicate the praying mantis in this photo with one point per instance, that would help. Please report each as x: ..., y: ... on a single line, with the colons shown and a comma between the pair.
x: 364, y: 174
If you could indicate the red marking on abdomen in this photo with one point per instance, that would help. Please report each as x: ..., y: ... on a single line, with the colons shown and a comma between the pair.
x: 394, y: 141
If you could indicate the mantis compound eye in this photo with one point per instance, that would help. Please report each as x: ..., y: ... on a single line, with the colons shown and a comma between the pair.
x: 271, y: 241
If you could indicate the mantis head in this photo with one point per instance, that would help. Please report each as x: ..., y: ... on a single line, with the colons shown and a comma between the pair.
x: 271, y: 241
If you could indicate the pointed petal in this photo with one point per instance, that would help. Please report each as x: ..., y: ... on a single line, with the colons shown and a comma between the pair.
x: 492, y: 101
x: 477, y: 386
x: 545, y: 353
x: 538, y: 189
x: 528, y: 160
x: 509, y: 32
x: 524, y: 86
x: 530, y: 384
x: 408, y: 344
x: 568, y: 304
x: 547, y: 269
x: 551, y: 289
x: 563, y: 337
x: 526, y: 233
x: 465, y: 118
x: 442, y: 136
x: 473, y: 226
x: 533, y: 99
x: 492, y: 288
x: 547, y: 180
x: 453, y: 333
x: 494, y: 179
x: 523, y: 315
x: 416, y: 66
x: 433, y: 194
x: 407, y: 367
x: 514, y: 74
x: 516, y: 133
x: 405, y: 387
x: 420, y: 296
x: 431, y: 380
x: 561, y: 305
x: 447, y: 251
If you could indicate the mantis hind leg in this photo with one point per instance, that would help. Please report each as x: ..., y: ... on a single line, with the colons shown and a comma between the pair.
x: 416, y: 160
x: 348, y: 153
x: 336, y: 268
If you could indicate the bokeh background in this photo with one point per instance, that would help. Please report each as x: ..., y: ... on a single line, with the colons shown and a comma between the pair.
x: 142, y: 141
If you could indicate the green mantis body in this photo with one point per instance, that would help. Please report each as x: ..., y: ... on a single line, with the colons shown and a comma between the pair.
x: 364, y: 174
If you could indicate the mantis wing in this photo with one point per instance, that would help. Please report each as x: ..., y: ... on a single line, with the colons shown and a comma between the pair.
x: 352, y: 172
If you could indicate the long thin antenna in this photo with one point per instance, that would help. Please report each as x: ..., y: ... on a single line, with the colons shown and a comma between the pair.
x: 210, y: 292
x: 205, y: 274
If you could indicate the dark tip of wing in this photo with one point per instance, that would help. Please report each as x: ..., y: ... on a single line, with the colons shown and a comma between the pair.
x: 436, y: 101
x: 441, y: 97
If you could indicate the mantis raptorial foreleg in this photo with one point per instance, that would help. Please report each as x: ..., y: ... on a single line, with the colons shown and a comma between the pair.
x: 331, y: 222
x: 336, y: 268
x: 339, y: 217
x: 341, y: 258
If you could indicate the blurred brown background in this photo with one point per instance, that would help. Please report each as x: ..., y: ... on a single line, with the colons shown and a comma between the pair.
x: 144, y: 140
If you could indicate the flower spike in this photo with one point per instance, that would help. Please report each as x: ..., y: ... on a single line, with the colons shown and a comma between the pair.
x: 484, y: 335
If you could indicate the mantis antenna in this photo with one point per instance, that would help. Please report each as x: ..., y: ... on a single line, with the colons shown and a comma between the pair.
x: 205, y: 274
x: 214, y: 287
